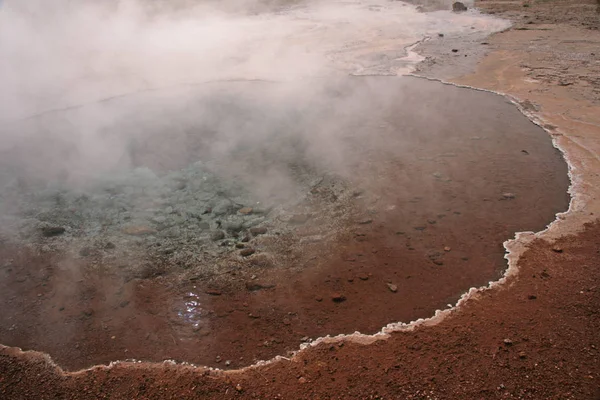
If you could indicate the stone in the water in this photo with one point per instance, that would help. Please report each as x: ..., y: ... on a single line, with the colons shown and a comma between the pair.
x: 299, y: 218
x: 50, y: 231
x: 458, y: 7
x: 138, y: 230
x: 253, y: 286
x: 247, y: 252
x: 338, y: 298
x: 261, y: 230
x: 219, y: 235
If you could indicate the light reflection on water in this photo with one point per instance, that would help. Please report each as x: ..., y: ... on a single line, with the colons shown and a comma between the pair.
x: 192, y: 312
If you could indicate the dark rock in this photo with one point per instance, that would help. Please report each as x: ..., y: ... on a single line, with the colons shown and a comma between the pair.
x: 138, y: 230
x: 240, y: 245
x: 247, y: 252
x: 219, y: 235
x: 440, y: 34
x: 455, y: 50
x: 532, y: 297
x: 50, y: 231
x: 261, y: 230
x: 338, y: 298
x: 109, y: 246
x: 458, y: 7
x: 213, y: 292
x: 253, y: 286
x: 299, y: 218
x: 363, y: 277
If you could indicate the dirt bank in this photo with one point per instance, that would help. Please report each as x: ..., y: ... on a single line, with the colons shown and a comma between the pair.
x: 535, y: 337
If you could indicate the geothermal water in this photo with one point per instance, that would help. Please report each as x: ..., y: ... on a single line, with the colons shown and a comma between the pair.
x: 215, y: 183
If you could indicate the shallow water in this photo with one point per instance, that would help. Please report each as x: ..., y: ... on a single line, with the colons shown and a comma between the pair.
x: 433, y: 179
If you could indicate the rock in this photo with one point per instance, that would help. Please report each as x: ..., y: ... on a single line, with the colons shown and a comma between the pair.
x: 247, y: 252
x: 302, y: 380
x: 393, y: 288
x: 365, y: 221
x: 532, y: 297
x: 240, y: 245
x: 109, y: 246
x: 213, y: 292
x: 161, y: 219
x: 227, y: 363
x: 261, y: 230
x: 447, y: 248
x: 363, y: 277
x: 85, y: 251
x: 319, y: 299
x: 299, y: 218
x: 138, y: 230
x: 245, y: 210
x: 438, y: 262
x: 557, y: 249
x: 219, y: 235
x: 508, y: 342
x: 254, y: 286
x: 522, y: 355
x: 233, y: 227
x: 508, y: 196
x: 420, y: 228
x: 440, y: 34
x: 238, y: 387
x: 338, y: 298
x: 458, y: 7
x: 432, y: 221
x: 224, y: 207
x: 455, y: 50
x: 50, y: 231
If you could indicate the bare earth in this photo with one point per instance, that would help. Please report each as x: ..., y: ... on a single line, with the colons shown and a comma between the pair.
x: 534, y: 337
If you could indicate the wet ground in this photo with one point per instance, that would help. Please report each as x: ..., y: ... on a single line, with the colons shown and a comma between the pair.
x: 435, y: 178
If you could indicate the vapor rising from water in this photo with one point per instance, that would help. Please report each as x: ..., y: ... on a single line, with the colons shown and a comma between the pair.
x: 85, y: 85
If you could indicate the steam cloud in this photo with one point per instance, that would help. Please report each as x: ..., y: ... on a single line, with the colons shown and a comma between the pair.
x: 87, y: 85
